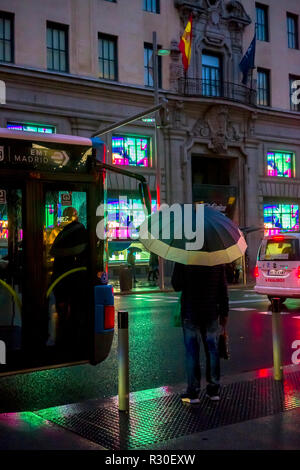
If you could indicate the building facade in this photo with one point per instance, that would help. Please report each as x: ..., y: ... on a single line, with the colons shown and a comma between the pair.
x: 73, y: 66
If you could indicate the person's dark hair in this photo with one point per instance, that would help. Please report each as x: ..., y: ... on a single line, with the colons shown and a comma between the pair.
x: 70, y: 214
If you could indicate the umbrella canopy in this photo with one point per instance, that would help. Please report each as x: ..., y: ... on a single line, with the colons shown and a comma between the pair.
x: 135, y: 247
x: 223, y: 241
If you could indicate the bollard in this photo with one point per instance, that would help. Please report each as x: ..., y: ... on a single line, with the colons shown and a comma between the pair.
x: 123, y: 361
x: 276, y: 335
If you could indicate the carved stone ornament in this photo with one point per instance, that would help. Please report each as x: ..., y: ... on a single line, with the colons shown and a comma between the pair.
x: 213, y: 3
x: 236, y: 11
x: 217, y: 127
x: 214, y: 33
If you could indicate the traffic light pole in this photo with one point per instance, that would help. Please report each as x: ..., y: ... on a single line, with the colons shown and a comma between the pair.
x: 156, y: 147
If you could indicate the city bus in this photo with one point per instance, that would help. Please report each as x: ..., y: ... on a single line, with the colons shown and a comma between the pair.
x: 55, y: 306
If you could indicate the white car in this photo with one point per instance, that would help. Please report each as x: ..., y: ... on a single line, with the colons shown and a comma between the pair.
x: 277, y: 270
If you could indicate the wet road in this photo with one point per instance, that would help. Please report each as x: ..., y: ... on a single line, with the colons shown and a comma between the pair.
x: 156, y: 352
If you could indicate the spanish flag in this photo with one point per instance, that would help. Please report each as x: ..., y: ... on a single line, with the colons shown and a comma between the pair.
x: 185, y: 45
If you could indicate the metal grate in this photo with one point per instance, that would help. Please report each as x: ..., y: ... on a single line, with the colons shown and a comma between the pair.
x: 163, y: 418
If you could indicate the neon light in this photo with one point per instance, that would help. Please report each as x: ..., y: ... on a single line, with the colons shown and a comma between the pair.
x: 41, y: 128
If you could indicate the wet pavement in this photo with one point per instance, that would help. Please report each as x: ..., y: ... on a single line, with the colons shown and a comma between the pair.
x: 156, y: 352
x: 254, y: 413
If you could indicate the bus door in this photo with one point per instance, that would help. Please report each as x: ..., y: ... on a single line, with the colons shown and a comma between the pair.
x: 11, y: 266
x: 66, y: 261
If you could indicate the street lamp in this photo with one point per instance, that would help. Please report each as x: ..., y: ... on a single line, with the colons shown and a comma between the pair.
x: 157, y: 52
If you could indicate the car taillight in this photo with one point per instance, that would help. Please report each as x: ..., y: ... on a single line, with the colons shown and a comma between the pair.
x: 109, y: 317
x: 298, y: 272
x: 256, y: 271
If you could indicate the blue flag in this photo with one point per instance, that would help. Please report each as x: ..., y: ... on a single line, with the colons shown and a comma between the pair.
x: 248, y: 61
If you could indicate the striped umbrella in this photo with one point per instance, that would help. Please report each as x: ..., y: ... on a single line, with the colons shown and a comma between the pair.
x: 168, y: 234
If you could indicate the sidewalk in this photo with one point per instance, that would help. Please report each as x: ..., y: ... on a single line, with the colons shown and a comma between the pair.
x: 254, y: 412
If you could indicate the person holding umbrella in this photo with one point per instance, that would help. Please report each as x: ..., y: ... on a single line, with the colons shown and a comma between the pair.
x: 199, y: 273
x: 204, y: 305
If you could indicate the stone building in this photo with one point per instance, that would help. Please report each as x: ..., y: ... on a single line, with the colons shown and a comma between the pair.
x: 74, y: 65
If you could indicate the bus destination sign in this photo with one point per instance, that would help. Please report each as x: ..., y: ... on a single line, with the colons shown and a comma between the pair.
x: 42, y: 158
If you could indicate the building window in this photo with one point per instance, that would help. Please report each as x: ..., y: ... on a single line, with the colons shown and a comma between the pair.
x: 281, y: 164
x: 211, y: 75
x: 6, y: 37
x: 57, y: 47
x: 262, y: 29
x: 281, y: 217
x: 23, y: 126
x: 292, y: 31
x: 148, y: 66
x: 132, y: 151
x: 263, y: 87
x: 108, y: 63
x: 294, y: 93
x: 151, y: 5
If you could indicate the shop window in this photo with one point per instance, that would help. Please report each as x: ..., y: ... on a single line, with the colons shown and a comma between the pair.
x: 129, y: 150
x: 123, y: 215
x: 22, y: 126
x: 281, y: 164
x: 281, y: 217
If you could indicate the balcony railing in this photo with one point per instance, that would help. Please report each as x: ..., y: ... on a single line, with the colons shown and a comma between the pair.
x: 217, y: 89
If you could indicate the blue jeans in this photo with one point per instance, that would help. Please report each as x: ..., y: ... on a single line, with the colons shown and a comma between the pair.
x: 209, y: 334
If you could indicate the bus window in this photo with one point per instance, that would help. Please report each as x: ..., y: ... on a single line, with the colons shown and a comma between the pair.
x: 11, y: 238
x: 66, y: 253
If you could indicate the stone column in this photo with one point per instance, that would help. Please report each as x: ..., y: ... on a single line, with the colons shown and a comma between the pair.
x: 252, y: 216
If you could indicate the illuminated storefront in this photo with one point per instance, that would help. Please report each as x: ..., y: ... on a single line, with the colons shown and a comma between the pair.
x: 123, y: 217
x: 281, y: 218
x: 131, y: 150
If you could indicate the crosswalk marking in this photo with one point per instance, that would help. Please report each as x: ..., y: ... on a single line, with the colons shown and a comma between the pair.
x: 270, y: 313
x: 242, y: 309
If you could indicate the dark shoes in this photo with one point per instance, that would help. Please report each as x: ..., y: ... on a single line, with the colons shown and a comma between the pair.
x: 213, y: 392
x: 192, y: 398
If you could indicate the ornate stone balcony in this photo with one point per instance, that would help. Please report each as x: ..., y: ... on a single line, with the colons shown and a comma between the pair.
x: 217, y: 89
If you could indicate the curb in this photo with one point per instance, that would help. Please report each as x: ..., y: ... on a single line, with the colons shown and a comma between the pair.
x: 130, y: 292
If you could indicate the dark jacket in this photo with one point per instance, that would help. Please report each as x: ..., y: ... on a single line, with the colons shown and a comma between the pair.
x: 204, y: 292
